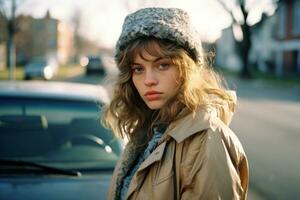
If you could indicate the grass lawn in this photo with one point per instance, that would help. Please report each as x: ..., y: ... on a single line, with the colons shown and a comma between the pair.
x: 19, y: 74
x: 291, y: 79
x: 268, y: 78
x: 65, y: 71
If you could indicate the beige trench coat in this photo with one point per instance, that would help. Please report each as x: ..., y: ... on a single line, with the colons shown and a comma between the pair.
x: 199, y: 157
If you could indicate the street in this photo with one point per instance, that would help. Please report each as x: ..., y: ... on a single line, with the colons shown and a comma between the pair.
x: 267, y: 123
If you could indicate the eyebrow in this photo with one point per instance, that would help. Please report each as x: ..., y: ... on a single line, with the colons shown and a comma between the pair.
x: 155, y: 60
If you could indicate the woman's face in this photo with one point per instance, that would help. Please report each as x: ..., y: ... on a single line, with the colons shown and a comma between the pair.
x: 155, y: 78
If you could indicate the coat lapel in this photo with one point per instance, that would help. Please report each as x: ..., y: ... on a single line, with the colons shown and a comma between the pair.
x: 156, y: 155
x: 137, y: 179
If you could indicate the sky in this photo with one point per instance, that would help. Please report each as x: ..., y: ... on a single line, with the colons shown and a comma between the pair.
x: 101, y: 20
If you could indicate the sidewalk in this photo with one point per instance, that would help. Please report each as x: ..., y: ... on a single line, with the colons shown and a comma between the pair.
x: 253, y: 195
x: 260, y: 89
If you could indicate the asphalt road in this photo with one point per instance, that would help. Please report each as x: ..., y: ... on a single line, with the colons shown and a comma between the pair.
x: 267, y: 122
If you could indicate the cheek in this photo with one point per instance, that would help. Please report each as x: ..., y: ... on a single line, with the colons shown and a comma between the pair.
x: 136, y: 83
x: 176, y: 80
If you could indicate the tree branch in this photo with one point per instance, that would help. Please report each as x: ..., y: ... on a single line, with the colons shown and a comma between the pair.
x: 2, y: 11
x: 229, y: 11
x: 222, y: 3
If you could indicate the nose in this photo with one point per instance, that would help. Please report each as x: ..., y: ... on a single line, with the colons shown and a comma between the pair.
x: 150, y: 78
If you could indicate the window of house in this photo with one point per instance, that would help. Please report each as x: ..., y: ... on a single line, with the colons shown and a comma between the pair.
x: 296, y: 19
x: 282, y: 20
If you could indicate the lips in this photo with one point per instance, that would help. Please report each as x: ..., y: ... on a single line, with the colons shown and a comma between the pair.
x: 153, y: 95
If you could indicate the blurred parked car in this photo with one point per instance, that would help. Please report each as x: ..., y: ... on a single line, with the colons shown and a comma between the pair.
x: 52, y: 145
x: 93, y: 64
x: 41, y: 68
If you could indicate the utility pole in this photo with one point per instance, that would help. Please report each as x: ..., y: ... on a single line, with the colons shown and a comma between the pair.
x: 11, y: 44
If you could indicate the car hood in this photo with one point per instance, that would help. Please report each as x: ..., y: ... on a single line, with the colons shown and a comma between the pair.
x: 55, y: 187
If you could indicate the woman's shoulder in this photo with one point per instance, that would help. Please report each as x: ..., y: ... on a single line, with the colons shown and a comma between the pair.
x: 225, y: 134
x: 216, y: 156
x: 216, y: 140
x: 206, y: 133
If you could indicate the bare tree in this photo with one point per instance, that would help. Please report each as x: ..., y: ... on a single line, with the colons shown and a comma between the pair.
x: 239, y: 11
x: 8, y: 12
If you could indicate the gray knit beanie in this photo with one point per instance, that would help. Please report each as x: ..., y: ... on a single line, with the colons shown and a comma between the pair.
x: 163, y: 23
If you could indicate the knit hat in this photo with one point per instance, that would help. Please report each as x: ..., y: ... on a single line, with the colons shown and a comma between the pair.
x: 163, y: 23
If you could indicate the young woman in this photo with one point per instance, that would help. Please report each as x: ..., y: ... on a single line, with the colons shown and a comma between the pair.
x: 171, y: 106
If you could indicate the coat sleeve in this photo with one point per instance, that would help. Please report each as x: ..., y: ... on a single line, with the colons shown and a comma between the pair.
x: 209, y: 170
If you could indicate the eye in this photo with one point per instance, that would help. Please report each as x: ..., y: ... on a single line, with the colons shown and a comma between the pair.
x: 137, y: 69
x: 164, y: 63
x: 163, y: 66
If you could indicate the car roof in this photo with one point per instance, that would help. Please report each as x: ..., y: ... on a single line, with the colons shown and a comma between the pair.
x: 54, y: 90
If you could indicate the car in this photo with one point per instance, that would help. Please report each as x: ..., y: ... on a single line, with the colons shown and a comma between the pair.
x: 93, y: 64
x: 52, y: 144
x: 41, y: 68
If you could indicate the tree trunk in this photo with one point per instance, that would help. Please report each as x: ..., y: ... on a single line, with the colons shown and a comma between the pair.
x: 11, y: 54
x: 11, y: 61
x: 245, y: 47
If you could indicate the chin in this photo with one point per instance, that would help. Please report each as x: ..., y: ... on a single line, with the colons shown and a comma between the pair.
x: 154, y: 105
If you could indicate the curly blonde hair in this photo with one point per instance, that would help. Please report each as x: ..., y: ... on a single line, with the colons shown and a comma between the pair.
x: 127, y: 113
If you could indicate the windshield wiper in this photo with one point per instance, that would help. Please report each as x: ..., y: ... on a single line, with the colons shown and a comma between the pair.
x: 48, y: 169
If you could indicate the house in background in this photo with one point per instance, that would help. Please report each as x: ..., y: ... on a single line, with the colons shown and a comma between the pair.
x: 44, y: 37
x: 2, y: 56
x: 275, y: 43
x: 288, y: 37
x: 65, y: 42
x: 2, y: 42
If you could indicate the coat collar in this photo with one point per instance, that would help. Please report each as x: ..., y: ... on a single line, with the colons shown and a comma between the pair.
x: 191, y: 124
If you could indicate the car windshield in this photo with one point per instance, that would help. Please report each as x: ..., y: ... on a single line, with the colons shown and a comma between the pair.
x: 38, y: 63
x: 95, y: 61
x: 59, y: 133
